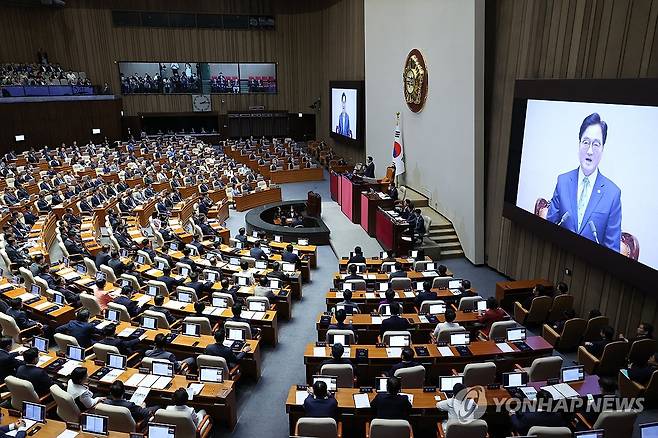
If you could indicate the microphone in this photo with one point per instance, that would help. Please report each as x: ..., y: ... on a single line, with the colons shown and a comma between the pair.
x: 592, y: 227
x: 565, y: 216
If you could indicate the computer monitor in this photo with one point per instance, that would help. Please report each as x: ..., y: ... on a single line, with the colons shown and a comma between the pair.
x: 152, y: 290
x: 331, y: 381
x: 242, y: 281
x: 420, y: 285
x: 383, y: 254
x: 73, y: 352
x: 34, y: 412
x: 40, y: 344
x: 235, y: 261
x: 123, y: 252
x: 35, y: 289
x: 275, y: 283
x: 383, y: 287
x: 211, y: 276
x: 349, y: 310
x: 254, y: 234
x: 340, y: 339
x: 183, y: 271
x: 288, y: 267
x: 190, y: 329
x: 455, y: 283
x: 160, y: 368
x: 302, y: 242
x: 173, y: 246
x: 360, y: 269
x: 140, y: 260
x: 381, y: 384
x: 116, y: 361
x: 430, y: 267
x: 516, y: 334
x: 277, y: 239
x: 648, y: 430
x: 515, y: 379
x: 113, y: 315
x: 399, y: 341
x: 125, y: 282
x: 211, y: 374
x: 413, y: 254
x: 94, y: 424
x: 235, y: 334
x: 437, y: 309
x: 572, y: 374
x: 261, y: 264
x: 599, y: 433
x: 58, y: 298
x: 160, y: 265
x: 239, y: 245
x: 460, y: 339
x: 219, y: 302
x: 100, y: 275
x: 184, y: 297
x: 65, y: 261
x: 81, y: 269
x: 156, y: 430
x: 149, y: 322
x: 256, y: 306
x: 481, y: 306
x: 447, y: 383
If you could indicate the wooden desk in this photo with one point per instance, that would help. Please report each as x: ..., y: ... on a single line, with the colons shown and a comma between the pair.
x: 297, y: 175
x: 389, y: 232
x: 255, y: 199
x: 375, y: 278
x: 370, y: 202
x: 379, y: 362
x: 369, y: 301
x: 52, y: 428
x: 374, y: 264
x: 55, y: 318
x: 517, y: 290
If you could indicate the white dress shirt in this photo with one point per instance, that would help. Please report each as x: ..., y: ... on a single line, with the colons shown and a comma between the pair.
x: 588, y: 193
x: 445, y: 325
x: 82, y: 392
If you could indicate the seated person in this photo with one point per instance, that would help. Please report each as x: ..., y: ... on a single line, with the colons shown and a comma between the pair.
x: 491, y: 315
x: 117, y: 265
x: 186, y: 258
x: 389, y: 296
x: 159, y: 352
x: 350, y: 306
x: 20, y: 316
x: 596, y: 347
x: 8, y: 360
x: 319, y: 402
x: 289, y: 256
x: 466, y: 291
x: 6, y: 428
x: 568, y: 314
x: 103, y: 257
x: 257, y: 252
x: 200, y: 287
x: 220, y: 350
x: 394, y: 322
x: 639, y: 369
x: 70, y: 296
x: 644, y: 331
x: 442, y: 271
x: 523, y: 421
x: 125, y: 300
x: 158, y: 302
x: 357, y: 257
x: 352, y: 274
x: 237, y: 311
x: 241, y: 236
x: 78, y: 388
x: 80, y: 328
x: 180, y: 400
x: 425, y: 295
x: 245, y: 271
x: 125, y: 346
x: 407, y: 361
x: 399, y: 271
x: 29, y: 371
x: 538, y: 291
x: 103, y: 293
x: 391, y: 405
x: 116, y: 398
x: 337, y: 351
x: 168, y: 280
x: 450, y: 317
x: 263, y: 290
x: 455, y: 406
x: 276, y: 271
x: 340, y: 316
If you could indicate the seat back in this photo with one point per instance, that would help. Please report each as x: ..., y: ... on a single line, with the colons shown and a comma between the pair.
x: 651, y: 391
x: 550, y: 432
x: 421, y: 265
x: 593, y: 329
x: 616, y: 423
x: 613, y: 358
x: 123, y: 311
x: 21, y: 390
x: 67, y: 409
x: 425, y: 306
x: 357, y: 284
x: 344, y: 374
x: 560, y: 304
x: 10, y: 328
x: 387, y: 335
x: 43, y: 284
x: 571, y: 334
x: 316, y: 427
x: 180, y: 266
x: 380, y: 428
x: 479, y: 374
x: 90, y: 303
x: 227, y: 297
x: 109, y: 274
x: 250, y: 261
x: 349, y: 333
x: 162, y: 260
x: 472, y: 429
x: 468, y: 303
x: 132, y: 279
x: 411, y: 377
x: 205, y: 360
x: 184, y: 425
x: 162, y: 287
x: 119, y: 418
x: 101, y: 351
x: 538, y: 311
x: 147, y: 257
x: 194, y: 251
x: 387, y: 266
x: 62, y: 248
x: 444, y: 335
x: 64, y: 341
x: 238, y: 325
x: 188, y: 290
x: 206, y: 327
x: 91, y: 267
x: 161, y: 317
x: 499, y: 329
x: 263, y: 300
x: 644, y: 348
x: 401, y: 283
x: 28, y: 278
x: 544, y: 368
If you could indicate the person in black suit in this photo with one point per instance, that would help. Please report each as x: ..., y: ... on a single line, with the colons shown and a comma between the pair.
x: 425, y: 295
x: 639, y: 370
x: 407, y: 361
x: 16, y: 311
x: 337, y: 351
x: 340, y: 316
x: 393, y: 191
x: 369, y: 171
x: 125, y: 346
x: 257, y: 252
x: 350, y: 306
x: 237, y: 311
x: 8, y: 362
x: 148, y: 248
x: 186, y: 258
x: 18, y: 256
x: 523, y: 421
x: 200, y: 287
x: 29, y: 371
x: 394, y: 322
x: 399, y: 271
x: 276, y: 272
x: 117, y: 392
x: 241, y: 237
x: 11, y: 427
x: 159, y: 352
x: 466, y: 291
x: 118, y: 266
x: 352, y: 274
x: 158, y: 300
x: 220, y: 350
x: 289, y: 256
x: 568, y: 314
x: 80, y: 329
x: 357, y: 257
x: 596, y: 347
x: 391, y: 405
x: 73, y: 247
x: 124, y: 299
x: 319, y: 402
x: 168, y: 280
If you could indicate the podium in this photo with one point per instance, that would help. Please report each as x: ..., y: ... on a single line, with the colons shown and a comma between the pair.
x: 314, y: 204
x: 369, y: 204
x: 350, y: 196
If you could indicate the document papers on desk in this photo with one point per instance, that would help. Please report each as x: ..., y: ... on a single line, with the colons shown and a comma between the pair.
x: 175, y: 305
x: 445, y: 351
x: 68, y: 434
x: 504, y: 347
x: 28, y: 424
x: 43, y: 305
x: 143, y: 300
x: 162, y: 382
x: 125, y: 333
x: 300, y: 396
x: 27, y: 297
x: 140, y: 395
x: 361, y: 400
x: 68, y: 368
x: 148, y: 380
x: 194, y: 389
x: 376, y: 319
x: 429, y: 273
x: 319, y: 351
x: 135, y: 379
x: 101, y: 325
x: 394, y: 352
x: 529, y: 392
x: 111, y: 376
x: 560, y: 391
x: 370, y: 296
x: 409, y: 294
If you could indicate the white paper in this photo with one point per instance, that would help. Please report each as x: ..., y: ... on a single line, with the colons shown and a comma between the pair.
x: 455, y: 291
x: 111, y: 376
x: 44, y: 305
x: 148, y: 381
x: 382, y: 295
x: 361, y: 401
x: 557, y: 395
x: 409, y: 294
x: 126, y: 332
x: 393, y: 352
x: 370, y: 295
x: 43, y: 359
x: 68, y: 368
x: 423, y: 319
x: 68, y: 434
x: 409, y: 396
x: 162, y: 382
x: 445, y: 351
x: 504, y: 347
x: 194, y: 389
x: 300, y: 396
x: 339, y: 294
x: 248, y: 314
x: 28, y: 424
x: 347, y: 352
x: 228, y: 343
x: 70, y: 275
x: 176, y: 305
x: 566, y: 390
x: 371, y: 276
x: 376, y: 319
x: 135, y: 379
x: 319, y: 351
x: 101, y: 325
x: 529, y: 392
x: 140, y: 395
x: 258, y: 316
x: 143, y: 300
x: 27, y: 296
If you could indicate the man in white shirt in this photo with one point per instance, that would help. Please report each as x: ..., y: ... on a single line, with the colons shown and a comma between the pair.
x: 80, y: 392
x: 180, y: 399
x: 459, y: 409
x: 450, y: 316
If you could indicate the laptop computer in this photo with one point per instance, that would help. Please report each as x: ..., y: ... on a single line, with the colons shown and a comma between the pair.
x: 34, y: 412
x: 572, y: 374
x: 191, y: 329
x: 40, y: 344
x: 149, y: 322
x: 157, y: 430
x: 447, y: 383
x: 74, y: 352
x: 331, y: 381
x: 211, y: 374
x: 399, y: 341
x: 159, y: 368
x: 256, y: 306
x: 113, y: 315
x: 116, y: 361
x: 515, y: 379
x: 94, y: 424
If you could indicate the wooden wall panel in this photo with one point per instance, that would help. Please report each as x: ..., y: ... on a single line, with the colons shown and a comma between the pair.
x: 543, y: 39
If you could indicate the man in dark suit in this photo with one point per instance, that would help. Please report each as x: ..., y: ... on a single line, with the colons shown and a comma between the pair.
x: 289, y: 256
x: 200, y: 287
x: 350, y: 306
x: 391, y: 405
x: 585, y: 202
x: 117, y: 392
x: 241, y: 237
x: 393, y: 191
x: 117, y: 265
x: 257, y: 252
x: 103, y: 256
x: 407, y: 361
x: 425, y: 295
x: 337, y: 351
x: 124, y: 300
x: 340, y: 316
x: 73, y: 247
x: 394, y: 322
x: 319, y: 403
x: 158, y: 300
x: 218, y: 349
x: 80, y: 329
x: 148, y: 248
x: 357, y: 257
x: 369, y: 171
x: 5, y: 429
x: 276, y: 272
x: 352, y: 274
x: 399, y: 271
x: 29, y: 371
x: 15, y: 254
x: 168, y: 280
x: 187, y: 259
x: 596, y: 347
x: 8, y: 362
x: 466, y: 290
x: 125, y: 346
x: 523, y: 421
x: 16, y: 311
x: 237, y: 312
x: 159, y: 352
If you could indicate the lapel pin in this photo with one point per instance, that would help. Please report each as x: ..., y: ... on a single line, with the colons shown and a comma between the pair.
x: 598, y: 191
